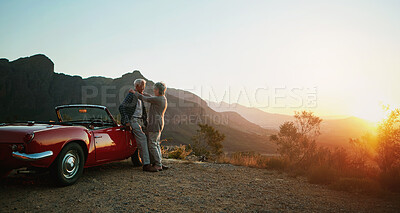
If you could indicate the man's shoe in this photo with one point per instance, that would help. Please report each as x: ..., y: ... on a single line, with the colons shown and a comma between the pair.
x: 164, y: 167
x: 149, y: 168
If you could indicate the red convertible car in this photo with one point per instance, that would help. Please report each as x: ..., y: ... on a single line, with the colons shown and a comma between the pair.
x: 84, y: 136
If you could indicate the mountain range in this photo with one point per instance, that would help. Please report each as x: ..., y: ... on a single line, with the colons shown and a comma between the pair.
x: 30, y: 89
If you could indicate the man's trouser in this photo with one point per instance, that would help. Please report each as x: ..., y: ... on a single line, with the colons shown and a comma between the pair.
x: 141, y: 139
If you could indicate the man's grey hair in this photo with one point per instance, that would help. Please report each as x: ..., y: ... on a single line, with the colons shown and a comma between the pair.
x: 139, y: 81
x: 161, y: 87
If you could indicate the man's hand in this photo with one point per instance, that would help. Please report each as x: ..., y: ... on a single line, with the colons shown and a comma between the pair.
x: 132, y: 91
x: 128, y: 126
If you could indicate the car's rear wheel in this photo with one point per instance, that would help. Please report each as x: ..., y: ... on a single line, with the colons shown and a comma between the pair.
x: 135, y: 159
x: 68, y: 167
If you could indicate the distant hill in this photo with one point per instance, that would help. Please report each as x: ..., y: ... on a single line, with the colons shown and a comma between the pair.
x: 337, y: 132
x: 334, y: 132
x: 264, y: 119
x: 30, y: 89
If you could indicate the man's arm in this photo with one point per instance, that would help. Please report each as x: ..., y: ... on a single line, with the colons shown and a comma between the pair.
x: 123, y: 108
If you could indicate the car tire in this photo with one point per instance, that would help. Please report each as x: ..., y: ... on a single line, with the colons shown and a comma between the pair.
x: 135, y: 159
x: 68, y: 166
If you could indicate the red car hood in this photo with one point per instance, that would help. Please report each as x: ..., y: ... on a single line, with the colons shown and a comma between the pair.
x: 14, y: 133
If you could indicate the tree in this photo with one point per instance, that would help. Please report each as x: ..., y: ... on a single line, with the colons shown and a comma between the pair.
x: 388, y: 150
x: 296, y: 139
x: 389, y: 142
x: 208, y: 141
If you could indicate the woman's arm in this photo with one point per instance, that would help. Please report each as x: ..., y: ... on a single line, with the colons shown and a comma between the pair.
x: 146, y: 94
x: 150, y: 99
x: 146, y: 97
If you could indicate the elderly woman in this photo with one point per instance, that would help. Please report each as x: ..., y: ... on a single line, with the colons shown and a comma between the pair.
x: 158, y: 105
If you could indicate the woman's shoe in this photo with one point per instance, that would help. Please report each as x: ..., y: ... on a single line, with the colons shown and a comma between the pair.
x: 149, y: 168
x: 159, y: 168
x: 164, y: 167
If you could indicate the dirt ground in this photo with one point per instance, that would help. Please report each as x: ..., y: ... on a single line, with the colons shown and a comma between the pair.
x: 186, y: 187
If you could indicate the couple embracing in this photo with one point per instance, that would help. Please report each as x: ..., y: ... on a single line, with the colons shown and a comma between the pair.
x: 146, y: 129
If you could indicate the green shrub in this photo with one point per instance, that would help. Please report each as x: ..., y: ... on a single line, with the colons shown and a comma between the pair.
x: 296, y: 140
x: 208, y: 142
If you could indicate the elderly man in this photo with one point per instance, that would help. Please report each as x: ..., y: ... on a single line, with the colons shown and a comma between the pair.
x: 133, y: 114
x: 158, y: 106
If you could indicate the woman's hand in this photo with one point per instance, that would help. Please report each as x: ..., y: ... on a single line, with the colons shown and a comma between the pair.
x: 132, y: 91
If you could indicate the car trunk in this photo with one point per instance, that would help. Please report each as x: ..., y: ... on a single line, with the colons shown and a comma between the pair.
x: 15, y: 133
x: 11, y: 135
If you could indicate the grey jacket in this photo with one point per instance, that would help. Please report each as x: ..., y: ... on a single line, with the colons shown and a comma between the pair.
x: 158, y: 106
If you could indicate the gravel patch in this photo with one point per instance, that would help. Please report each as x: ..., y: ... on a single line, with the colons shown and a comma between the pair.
x: 186, y: 187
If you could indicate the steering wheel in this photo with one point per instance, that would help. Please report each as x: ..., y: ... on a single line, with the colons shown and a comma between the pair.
x: 92, y: 122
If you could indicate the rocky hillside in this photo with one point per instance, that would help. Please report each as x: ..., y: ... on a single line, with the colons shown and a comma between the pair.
x: 30, y: 89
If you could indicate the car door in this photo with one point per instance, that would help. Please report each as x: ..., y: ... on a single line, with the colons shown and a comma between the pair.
x: 111, y: 143
x: 132, y: 145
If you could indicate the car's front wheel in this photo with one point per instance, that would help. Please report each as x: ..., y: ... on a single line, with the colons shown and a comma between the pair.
x: 135, y: 159
x: 68, y: 167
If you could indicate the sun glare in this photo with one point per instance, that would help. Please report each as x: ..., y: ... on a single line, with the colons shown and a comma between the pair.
x: 373, y: 113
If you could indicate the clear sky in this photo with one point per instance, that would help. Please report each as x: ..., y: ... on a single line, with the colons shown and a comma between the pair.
x: 345, y: 52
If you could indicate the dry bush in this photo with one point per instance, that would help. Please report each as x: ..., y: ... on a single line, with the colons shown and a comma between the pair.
x: 390, y: 179
x: 249, y: 159
x: 276, y: 163
x: 358, y: 185
x: 180, y: 152
x: 338, y: 159
x: 362, y: 152
x: 321, y: 175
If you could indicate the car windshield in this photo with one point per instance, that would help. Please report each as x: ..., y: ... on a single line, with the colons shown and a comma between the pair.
x: 84, y: 114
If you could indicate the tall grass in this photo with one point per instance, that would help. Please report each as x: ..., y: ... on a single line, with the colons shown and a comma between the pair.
x: 342, y: 176
x: 358, y: 185
x: 254, y: 160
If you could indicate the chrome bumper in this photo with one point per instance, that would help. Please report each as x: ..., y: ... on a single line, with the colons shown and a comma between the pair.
x: 32, y: 157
